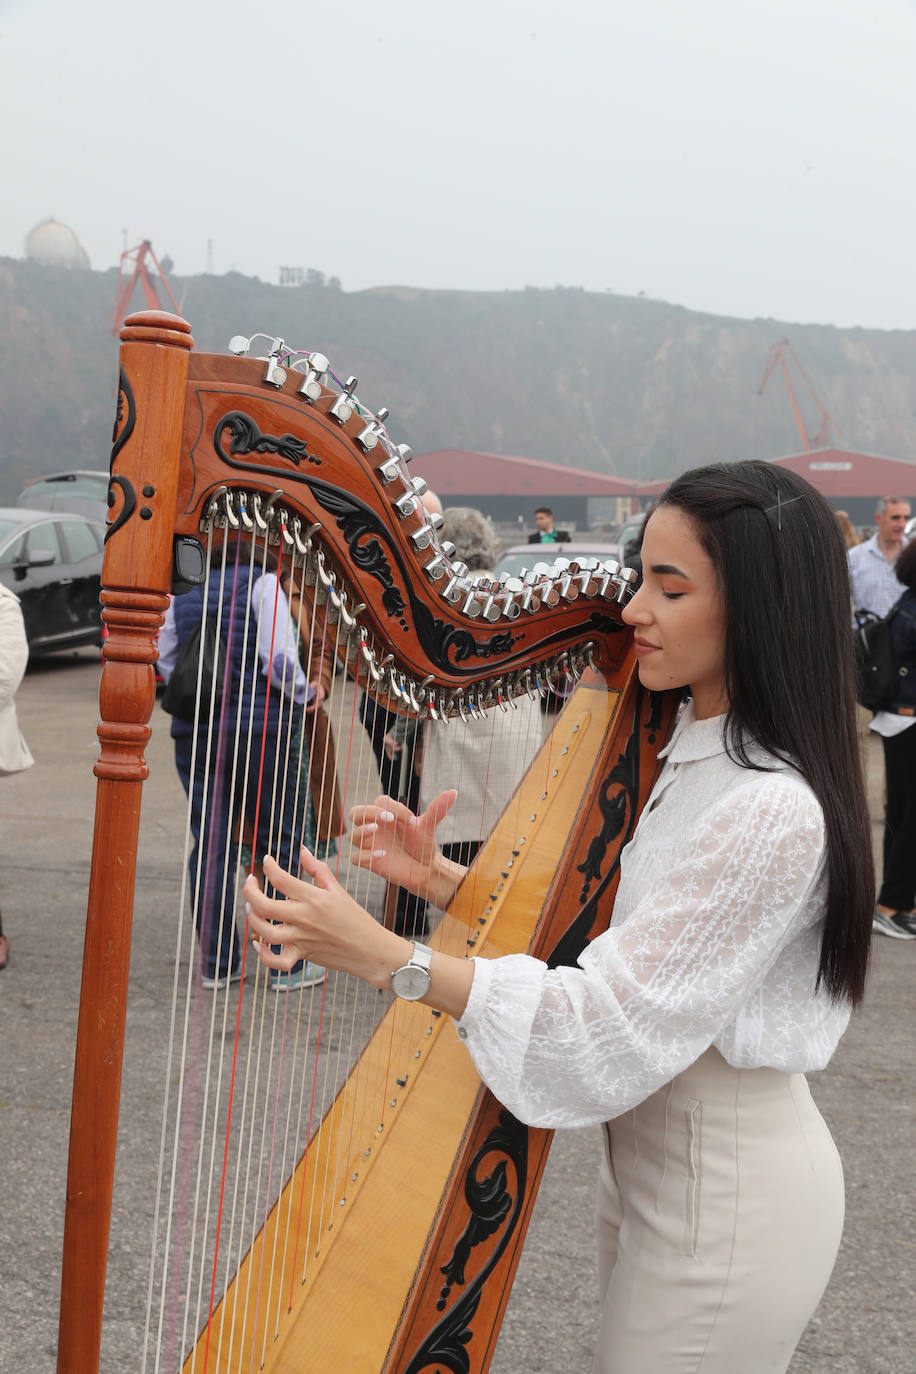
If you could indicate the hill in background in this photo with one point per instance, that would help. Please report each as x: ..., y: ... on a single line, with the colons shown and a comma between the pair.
x: 617, y: 384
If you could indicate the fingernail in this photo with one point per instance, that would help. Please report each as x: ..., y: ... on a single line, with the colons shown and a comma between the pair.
x: 378, y: 853
x: 256, y: 942
x: 370, y: 828
x: 386, y: 815
x: 247, y: 908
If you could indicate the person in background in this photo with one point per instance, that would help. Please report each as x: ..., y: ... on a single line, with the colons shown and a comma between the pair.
x: 874, y: 587
x: 874, y: 583
x: 209, y: 760
x: 484, y: 759
x: 14, y: 655
x: 324, y: 821
x: 851, y: 536
x: 894, y: 914
x: 545, y: 532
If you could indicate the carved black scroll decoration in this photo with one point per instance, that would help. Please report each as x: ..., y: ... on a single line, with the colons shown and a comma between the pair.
x: 247, y: 438
x: 574, y: 940
x: 654, y: 723
x: 356, y: 521
x: 448, y: 644
x: 121, y: 435
x: 625, y: 776
x: 125, y: 420
x: 126, y: 487
x: 491, y: 1206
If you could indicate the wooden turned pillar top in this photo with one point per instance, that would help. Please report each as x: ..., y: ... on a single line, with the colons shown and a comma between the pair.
x: 157, y: 326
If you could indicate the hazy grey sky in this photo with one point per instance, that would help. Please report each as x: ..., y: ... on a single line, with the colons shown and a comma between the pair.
x: 736, y: 157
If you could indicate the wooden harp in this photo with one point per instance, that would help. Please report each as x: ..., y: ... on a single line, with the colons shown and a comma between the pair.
x: 411, y: 1260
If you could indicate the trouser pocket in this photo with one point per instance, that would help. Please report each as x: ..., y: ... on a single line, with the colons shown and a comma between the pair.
x: 693, y: 1120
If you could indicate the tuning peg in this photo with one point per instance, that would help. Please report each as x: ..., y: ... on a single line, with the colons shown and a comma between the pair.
x: 342, y: 408
x: 472, y: 606
x: 273, y: 372
x: 389, y: 470
x: 422, y: 538
x: 436, y: 567
x: 455, y: 589
x: 238, y: 344
x: 420, y: 486
x: 368, y: 437
x: 405, y: 453
x: 316, y: 377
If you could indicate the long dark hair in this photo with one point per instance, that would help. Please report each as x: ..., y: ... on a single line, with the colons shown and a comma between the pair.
x: 781, y: 564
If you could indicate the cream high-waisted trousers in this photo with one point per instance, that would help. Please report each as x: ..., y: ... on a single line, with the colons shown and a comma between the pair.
x: 720, y: 1210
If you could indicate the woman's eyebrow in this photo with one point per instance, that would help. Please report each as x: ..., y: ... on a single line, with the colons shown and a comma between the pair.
x: 660, y: 569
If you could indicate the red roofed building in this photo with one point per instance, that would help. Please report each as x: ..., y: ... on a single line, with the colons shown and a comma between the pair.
x: 851, y: 481
x: 509, y: 489
x: 854, y: 482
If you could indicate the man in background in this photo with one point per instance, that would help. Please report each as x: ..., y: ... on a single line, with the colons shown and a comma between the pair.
x: 545, y: 532
x: 875, y: 589
x: 871, y: 565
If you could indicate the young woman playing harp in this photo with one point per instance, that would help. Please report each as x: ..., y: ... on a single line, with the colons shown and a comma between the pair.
x: 737, y: 947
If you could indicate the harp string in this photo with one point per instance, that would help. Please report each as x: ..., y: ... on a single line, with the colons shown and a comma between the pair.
x: 258, y: 1072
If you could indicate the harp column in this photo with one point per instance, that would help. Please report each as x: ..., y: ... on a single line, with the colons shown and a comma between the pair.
x: 136, y: 578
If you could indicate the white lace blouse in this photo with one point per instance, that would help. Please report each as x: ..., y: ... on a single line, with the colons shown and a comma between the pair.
x: 714, y: 940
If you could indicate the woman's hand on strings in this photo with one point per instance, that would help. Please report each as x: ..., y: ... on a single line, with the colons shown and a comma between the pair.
x: 320, y: 921
x: 389, y: 839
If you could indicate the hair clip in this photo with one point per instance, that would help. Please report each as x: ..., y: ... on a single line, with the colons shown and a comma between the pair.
x: 778, y: 508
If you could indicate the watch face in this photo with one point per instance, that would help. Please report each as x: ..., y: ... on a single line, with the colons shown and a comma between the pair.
x: 410, y: 982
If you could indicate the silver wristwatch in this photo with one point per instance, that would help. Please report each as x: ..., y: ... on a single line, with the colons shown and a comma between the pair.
x: 412, y: 980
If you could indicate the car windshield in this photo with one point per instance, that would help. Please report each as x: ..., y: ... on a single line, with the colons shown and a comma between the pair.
x: 57, y: 492
x: 8, y: 527
x: 631, y: 530
x: 514, y: 561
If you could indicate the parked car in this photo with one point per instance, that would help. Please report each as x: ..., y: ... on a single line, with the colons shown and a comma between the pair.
x: 631, y: 537
x: 520, y: 556
x: 53, y: 562
x: 84, y: 491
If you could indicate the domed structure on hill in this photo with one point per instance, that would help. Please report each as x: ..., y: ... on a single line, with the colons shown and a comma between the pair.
x: 55, y: 245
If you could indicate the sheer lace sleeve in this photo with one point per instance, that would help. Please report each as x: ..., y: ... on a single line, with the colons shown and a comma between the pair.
x: 703, y: 913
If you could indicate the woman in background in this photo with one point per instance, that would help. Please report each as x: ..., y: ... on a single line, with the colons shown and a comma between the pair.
x: 483, y: 759
x: 14, y: 655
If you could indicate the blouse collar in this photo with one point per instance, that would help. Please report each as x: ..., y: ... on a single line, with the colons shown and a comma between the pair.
x: 695, y: 739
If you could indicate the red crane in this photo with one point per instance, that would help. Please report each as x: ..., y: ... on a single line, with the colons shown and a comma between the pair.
x: 136, y: 258
x: 777, y: 358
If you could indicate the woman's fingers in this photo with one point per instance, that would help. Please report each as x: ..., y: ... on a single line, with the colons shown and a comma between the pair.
x: 437, y: 810
x: 383, y: 809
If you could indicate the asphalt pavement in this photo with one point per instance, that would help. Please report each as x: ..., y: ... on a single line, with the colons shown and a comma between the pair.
x: 864, y: 1325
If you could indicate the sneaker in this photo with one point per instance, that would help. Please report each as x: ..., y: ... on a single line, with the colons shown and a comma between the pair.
x: 221, y: 980
x: 905, y: 920
x: 309, y: 976
x: 892, y: 925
